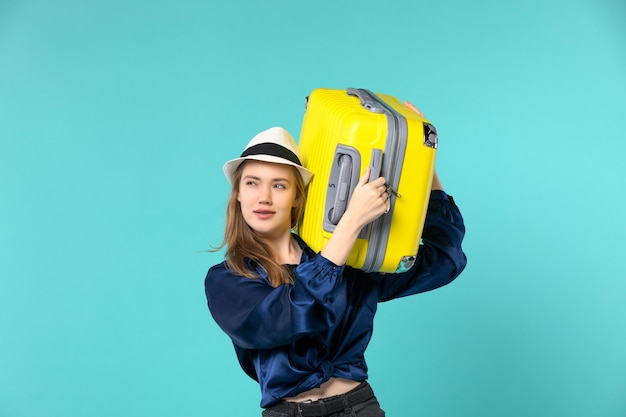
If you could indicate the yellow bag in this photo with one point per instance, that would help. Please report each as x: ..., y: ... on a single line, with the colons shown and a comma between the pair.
x: 344, y: 131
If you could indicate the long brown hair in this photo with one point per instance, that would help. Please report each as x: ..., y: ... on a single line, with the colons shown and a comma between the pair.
x: 242, y: 242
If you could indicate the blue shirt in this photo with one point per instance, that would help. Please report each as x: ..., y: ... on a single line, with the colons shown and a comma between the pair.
x: 294, y: 337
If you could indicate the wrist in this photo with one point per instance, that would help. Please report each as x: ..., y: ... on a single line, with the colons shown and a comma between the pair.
x: 436, y: 185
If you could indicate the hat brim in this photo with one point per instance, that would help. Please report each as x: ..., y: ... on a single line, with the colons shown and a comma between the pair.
x: 231, y: 166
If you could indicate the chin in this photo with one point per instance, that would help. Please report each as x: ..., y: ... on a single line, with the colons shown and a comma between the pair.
x: 270, y: 232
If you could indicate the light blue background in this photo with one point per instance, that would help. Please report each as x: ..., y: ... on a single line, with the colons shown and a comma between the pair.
x: 115, y: 119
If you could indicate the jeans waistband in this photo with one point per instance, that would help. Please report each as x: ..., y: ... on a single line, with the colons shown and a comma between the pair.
x: 326, y: 406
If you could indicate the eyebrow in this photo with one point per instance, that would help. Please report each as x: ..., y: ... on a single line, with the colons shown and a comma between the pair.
x: 254, y: 177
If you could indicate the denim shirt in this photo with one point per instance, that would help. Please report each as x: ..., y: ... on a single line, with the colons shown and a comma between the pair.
x: 294, y: 337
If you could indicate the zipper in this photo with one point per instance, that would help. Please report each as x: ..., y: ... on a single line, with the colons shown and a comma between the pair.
x: 395, y: 145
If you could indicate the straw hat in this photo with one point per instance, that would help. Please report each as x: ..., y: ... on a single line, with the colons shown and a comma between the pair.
x: 272, y: 145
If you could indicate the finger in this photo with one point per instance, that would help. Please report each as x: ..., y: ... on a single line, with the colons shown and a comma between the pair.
x: 412, y: 107
x: 378, y: 182
x: 365, y: 177
x: 383, y: 190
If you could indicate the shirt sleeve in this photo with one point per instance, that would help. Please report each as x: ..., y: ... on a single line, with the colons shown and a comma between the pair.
x: 258, y: 316
x: 440, y: 258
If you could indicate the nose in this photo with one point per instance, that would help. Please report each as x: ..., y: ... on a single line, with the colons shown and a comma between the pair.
x: 265, y: 196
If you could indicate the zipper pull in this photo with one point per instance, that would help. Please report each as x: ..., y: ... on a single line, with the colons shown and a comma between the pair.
x: 390, y: 190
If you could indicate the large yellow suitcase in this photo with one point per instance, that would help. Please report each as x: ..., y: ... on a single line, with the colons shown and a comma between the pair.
x: 344, y: 131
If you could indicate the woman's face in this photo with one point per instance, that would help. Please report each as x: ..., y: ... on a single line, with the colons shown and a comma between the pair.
x: 267, y: 193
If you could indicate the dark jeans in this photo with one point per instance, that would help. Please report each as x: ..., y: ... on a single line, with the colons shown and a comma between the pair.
x: 360, y: 402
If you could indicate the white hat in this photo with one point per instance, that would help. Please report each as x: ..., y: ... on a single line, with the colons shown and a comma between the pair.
x: 272, y: 145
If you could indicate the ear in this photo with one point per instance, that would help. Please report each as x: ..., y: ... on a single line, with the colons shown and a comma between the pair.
x: 297, y: 201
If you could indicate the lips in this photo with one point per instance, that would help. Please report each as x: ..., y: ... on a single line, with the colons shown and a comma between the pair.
x: 264, y: 214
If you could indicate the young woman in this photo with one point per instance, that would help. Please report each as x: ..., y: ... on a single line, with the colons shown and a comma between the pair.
x: 300, y: 321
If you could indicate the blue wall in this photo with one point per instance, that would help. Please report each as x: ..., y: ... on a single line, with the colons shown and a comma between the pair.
x: 115, y: 119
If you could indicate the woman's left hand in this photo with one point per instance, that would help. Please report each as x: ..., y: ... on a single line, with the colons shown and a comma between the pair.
x: 369, y: 200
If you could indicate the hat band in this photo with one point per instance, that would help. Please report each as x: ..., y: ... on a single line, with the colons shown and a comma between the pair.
x: 268, y: 148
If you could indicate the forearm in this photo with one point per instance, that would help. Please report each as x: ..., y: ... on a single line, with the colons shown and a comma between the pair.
x: 436, y: 182
x: 340, y: 244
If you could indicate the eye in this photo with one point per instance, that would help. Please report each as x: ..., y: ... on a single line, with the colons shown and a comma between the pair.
x: 280, y: 186
x: 250, y: 183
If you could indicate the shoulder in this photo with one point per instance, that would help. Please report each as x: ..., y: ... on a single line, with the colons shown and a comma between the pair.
x: 222, y: 269
x: 220, y: 281
x: 217, y: 269
x: 216, y: 272
x: 219, y: 272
